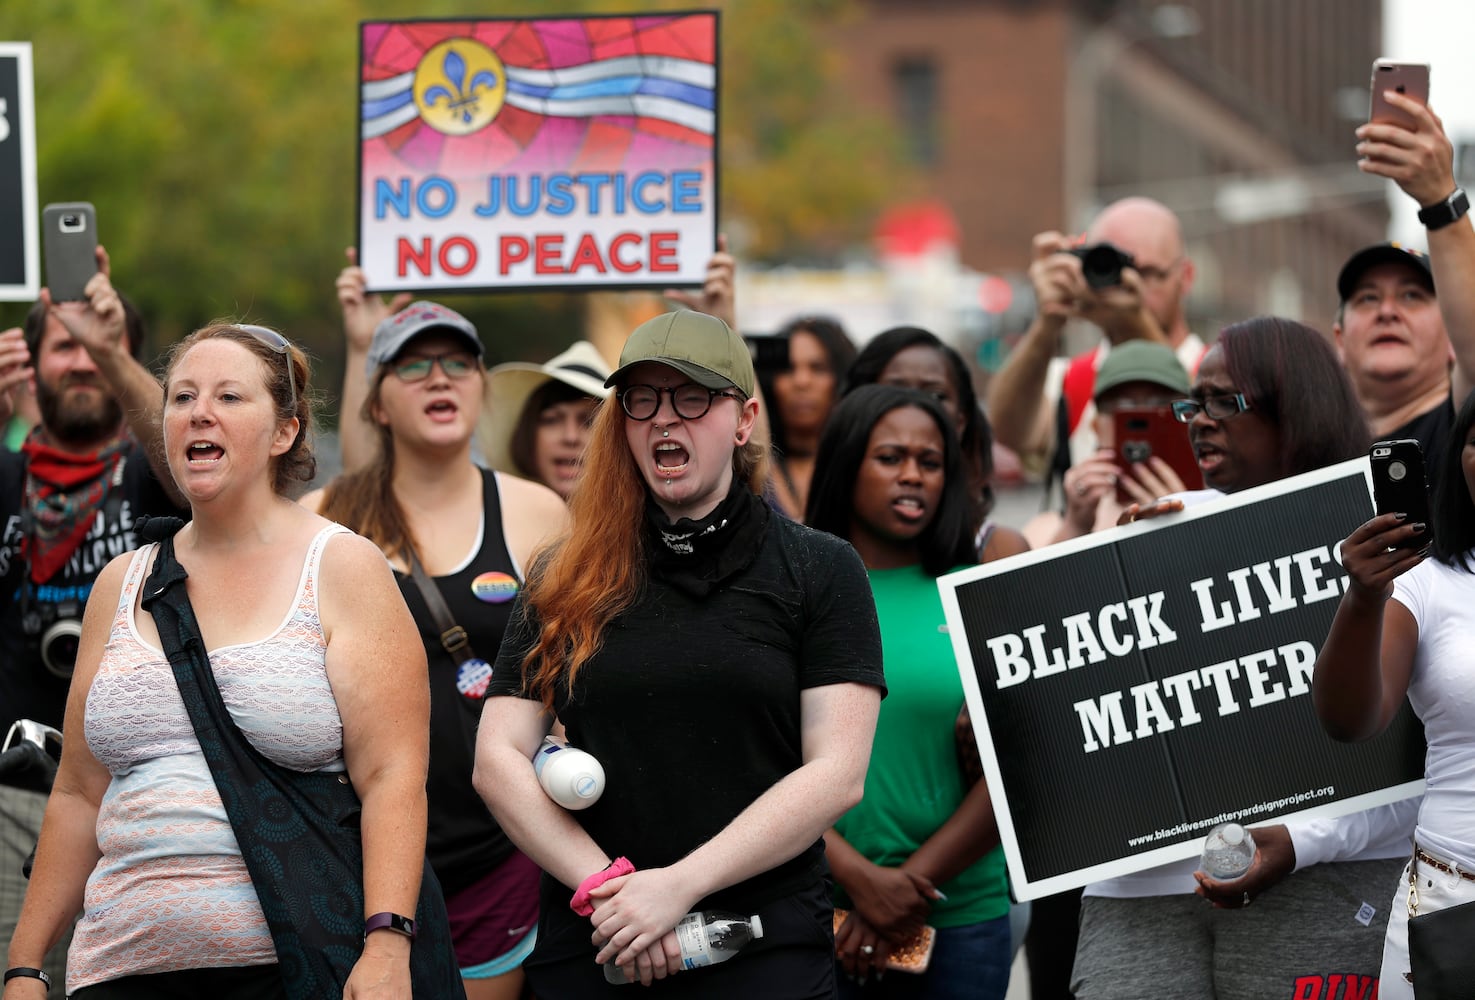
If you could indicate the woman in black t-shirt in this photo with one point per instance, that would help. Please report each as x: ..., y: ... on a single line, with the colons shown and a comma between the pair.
x: 724, y: 666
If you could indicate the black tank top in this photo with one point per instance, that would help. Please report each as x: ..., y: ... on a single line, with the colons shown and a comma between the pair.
x: 463, y: 842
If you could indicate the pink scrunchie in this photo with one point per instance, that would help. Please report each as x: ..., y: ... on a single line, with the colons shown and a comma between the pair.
x: 580, y: 903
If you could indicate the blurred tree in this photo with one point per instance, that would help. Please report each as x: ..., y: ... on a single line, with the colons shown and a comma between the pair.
x: 217, y: 140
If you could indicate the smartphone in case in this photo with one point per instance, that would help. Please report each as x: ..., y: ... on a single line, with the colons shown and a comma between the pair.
x: 69, y: 234
x: 1409, y: 79
x: 1143, y: 433
x: 1399, y: 484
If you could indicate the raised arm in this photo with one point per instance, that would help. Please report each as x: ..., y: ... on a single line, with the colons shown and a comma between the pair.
x: 97, y: 323
x: 1421, y: 162
x: 376, y: 666
x: 362, y: 312
x: 68, y: 851
x: 718, y: 294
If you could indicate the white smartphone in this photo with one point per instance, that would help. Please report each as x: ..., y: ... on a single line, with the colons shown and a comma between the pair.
x: 1409, y: 79
x: 69, y: 235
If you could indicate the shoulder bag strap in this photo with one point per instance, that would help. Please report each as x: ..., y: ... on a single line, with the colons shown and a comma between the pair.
x: 452, y: 636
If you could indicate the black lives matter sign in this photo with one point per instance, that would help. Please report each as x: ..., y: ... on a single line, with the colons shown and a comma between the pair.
x: 1133, y: 688
x: 19, y: 263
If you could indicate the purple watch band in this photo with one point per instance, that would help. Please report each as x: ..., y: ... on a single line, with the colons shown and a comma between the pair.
x: 390, y: 921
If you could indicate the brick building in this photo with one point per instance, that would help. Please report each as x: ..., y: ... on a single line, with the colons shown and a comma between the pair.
x: 1236, y: 113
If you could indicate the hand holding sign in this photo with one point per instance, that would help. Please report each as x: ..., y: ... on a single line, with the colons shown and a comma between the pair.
x: 717, y: 296
x: 363, y: 312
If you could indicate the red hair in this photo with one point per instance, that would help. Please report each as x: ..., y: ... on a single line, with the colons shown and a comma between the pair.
x: 597, y: 570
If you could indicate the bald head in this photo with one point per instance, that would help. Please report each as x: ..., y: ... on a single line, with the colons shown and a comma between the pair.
x: 1152, y: 234
x: 1144, y: 228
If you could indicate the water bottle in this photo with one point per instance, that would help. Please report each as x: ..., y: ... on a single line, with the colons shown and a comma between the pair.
x: 706, y: 937
x: 1228, y: 852
x: 571, y: 777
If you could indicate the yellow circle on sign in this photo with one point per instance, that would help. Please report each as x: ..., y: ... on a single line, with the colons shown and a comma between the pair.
x: 460, y: 85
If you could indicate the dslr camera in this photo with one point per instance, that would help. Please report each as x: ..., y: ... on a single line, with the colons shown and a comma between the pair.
x: 1102, y: 263
x: 57, y: 630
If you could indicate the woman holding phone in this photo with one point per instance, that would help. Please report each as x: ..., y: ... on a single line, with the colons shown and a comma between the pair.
x: 1405, y: 629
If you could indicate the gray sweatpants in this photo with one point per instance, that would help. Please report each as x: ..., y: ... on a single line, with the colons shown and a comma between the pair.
x: 1304, y: 939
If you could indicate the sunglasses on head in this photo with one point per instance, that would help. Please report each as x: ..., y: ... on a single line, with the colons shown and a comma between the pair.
x: 281, y: 345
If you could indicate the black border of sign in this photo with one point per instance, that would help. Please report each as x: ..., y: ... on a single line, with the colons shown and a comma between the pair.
x: 1188, y: 845
x: 30, y: 289
x: 358, y: 153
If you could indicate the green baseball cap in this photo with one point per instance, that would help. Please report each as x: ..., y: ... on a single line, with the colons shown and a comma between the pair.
x: 701, y: 347
x: 1141, y: 361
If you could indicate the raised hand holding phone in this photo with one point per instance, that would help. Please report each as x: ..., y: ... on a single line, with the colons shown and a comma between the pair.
x: 1409, y: 79
x: 69, y: 232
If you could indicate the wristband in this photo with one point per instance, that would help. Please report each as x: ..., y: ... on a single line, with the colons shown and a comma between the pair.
x: 1446, y: 211
x: 616, y: 868
x: 21, y: 972
x: 390, y: 922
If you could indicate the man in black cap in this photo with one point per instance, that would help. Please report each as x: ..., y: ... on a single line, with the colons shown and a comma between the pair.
x: 1411, y: 355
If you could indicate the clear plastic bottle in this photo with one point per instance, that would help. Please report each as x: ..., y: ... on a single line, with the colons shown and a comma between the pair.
x: 707, y: 937
x: 571, y: 777
x: 1229, y: 850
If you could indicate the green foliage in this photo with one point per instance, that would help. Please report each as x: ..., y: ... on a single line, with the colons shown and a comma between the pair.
x: 217, y: 140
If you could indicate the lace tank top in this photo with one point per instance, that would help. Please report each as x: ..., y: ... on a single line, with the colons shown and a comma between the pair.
x: 170, y: 890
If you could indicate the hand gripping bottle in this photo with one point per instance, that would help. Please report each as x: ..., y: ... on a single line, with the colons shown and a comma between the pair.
x: 1229, y: 850
x: 571, y: 777
x: 707, y: 937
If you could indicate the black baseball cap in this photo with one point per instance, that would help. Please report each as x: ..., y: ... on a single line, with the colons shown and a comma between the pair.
x: 1380, y: 253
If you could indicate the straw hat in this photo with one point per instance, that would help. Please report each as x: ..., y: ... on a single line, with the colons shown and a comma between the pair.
x: 510, y: 385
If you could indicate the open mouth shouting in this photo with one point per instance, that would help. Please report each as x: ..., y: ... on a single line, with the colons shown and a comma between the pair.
x: 909, y: 508
x: 201, y: 454
x: 671, y: 458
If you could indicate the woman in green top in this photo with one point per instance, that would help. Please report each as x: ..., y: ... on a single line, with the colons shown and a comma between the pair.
x: 921, y: 847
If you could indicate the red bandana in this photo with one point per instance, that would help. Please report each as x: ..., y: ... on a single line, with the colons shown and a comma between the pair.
x: 64, y: 492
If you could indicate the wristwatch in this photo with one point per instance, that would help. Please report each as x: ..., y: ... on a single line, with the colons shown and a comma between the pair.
x: 1443, y: 213
x: 390, y: 921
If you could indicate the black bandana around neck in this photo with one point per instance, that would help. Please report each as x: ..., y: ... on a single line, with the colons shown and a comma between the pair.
x: 696, y: 557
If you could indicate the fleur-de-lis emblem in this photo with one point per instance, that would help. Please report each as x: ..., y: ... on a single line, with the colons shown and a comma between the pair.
x: 463, y: 99
x: 459, y: 86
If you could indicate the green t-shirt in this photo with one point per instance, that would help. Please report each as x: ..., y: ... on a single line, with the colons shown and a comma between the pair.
x: 914, y: 783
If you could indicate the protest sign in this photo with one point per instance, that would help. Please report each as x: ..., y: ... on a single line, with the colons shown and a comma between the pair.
x: 538, y: 152
x: 1132, y: 688
x: 20, y: 263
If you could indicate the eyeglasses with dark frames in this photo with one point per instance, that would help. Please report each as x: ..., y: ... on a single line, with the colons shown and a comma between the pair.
x: 1218, y: 407
x: 276, y: 342
x: 690, y: 400
x: 455, y: 364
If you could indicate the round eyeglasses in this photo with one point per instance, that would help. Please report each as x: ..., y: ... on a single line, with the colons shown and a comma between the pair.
x: 455, y: 365
x: 1220, y: 407
x: 690, y: 401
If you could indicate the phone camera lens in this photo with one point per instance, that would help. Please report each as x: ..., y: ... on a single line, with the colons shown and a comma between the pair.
x: 1396, y: 471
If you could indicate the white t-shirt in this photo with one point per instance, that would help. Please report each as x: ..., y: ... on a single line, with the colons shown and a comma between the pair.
x: 1370, y: 835
x: 1442, y: 691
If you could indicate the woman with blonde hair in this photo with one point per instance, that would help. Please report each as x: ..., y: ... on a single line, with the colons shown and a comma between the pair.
x: 320, y: 669
x: 721, y: 662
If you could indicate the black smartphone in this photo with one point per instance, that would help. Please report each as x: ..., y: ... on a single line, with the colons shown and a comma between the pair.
x: 1399, y: 485
x: 69, y: 236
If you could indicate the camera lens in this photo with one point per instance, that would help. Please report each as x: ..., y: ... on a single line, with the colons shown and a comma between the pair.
x: 1396, y: 471
x: 59, y: 647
